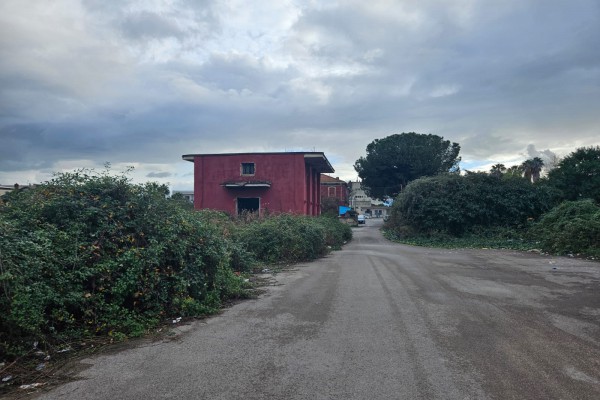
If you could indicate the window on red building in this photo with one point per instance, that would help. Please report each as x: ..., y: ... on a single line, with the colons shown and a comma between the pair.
x: 248, y: 168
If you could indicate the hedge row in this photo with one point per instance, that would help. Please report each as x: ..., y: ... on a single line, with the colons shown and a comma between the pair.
x: 484, y: 209
x: 455, y: 204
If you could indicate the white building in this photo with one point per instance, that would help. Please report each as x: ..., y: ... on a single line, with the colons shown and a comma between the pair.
x: 363, y: 204
x: 188, y: 195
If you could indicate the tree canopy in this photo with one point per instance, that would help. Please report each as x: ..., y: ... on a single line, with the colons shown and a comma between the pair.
x: 394, y: 161
x: 578, y: 174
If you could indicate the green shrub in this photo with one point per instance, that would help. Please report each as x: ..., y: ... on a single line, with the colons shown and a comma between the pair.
x: 89, y: 254
x: 456, y: 204
x: 572, y: 227
x: 92, y: 254
x: 336, y: 232
x: 291, y: 238
x: 283, y: 237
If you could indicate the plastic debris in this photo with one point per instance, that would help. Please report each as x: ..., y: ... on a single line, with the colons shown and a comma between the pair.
x: 40, y: 366
x: 7, y: 378
x: 266, y: 270
x: 65, y: 350
x: 177, y: 320
x: 31, y: 386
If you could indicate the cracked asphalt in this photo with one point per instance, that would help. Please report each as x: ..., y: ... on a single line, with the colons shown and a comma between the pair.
x: 379, y: 320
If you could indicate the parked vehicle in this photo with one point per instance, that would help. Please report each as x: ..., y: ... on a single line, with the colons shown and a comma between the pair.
x: 361, y: 219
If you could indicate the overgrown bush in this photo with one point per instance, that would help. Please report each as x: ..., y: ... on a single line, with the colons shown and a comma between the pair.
x: 88, y: 254
x: 336, y: 232
x: 573, y: 227
x: 291, y: 238
x: 455, y: 204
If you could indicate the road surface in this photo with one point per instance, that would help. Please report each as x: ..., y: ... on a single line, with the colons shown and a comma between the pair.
x: 379, y: 320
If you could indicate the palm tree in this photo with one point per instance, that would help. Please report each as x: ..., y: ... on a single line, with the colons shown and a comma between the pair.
x: 526, y: 167
x: 514, y: 171
x: 532, y: 168
x: 537, y: 165
x: 497, y: 170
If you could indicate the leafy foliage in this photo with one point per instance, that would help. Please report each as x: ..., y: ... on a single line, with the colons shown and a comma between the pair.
x: 455, y: 204
x: 289, y: 238
x: 394, y: 161
x: 329, y: 206
x: 573, y: 227
x: 578, y: 174
x: 481, y: 237
x: 98, y: 255
x: 90, y: 254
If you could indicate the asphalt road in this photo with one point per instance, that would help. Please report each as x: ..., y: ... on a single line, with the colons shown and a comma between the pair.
x: 381, y: 321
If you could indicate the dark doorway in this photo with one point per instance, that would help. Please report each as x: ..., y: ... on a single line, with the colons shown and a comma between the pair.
x: 247, y: 204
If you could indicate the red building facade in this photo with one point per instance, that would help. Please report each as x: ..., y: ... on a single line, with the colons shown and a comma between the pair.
x: 334, y: 188
x: 256, y: 182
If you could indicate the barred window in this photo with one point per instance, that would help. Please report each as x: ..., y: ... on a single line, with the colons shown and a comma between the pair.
x: 247, y: 168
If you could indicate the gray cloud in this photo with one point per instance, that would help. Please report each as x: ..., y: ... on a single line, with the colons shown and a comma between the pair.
x: 143, y: 83
x: 159, y: 175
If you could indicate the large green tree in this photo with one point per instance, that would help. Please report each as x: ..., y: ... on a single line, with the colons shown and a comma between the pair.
x: 578, y: 174
x: 392, y: 162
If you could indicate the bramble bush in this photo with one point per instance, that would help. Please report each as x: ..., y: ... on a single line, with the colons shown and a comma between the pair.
x: 292, y: 238
x: 91, y: 254
x: 572, y: 227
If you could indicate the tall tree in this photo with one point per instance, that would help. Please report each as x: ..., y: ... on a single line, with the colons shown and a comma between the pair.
x: 578, y: 174
x: 497, y: 170
x: 514, y: 171
x: 532, y: 169
x: 392, y: 162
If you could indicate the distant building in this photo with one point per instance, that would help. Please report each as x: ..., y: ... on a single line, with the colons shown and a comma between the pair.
x: 363, y: 204
x: 188, y: 195
x: 256, y: 182
x: 334, y: 188
x: 6, y: 188
x: 9, y: 188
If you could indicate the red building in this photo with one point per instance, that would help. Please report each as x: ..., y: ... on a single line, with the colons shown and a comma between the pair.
x: 278, y: 182
x: 334, y: 188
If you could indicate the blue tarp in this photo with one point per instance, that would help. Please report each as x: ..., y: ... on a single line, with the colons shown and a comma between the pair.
x: 344, y: 210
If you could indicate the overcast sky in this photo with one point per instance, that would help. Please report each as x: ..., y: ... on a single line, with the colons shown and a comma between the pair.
x: 85, y: 82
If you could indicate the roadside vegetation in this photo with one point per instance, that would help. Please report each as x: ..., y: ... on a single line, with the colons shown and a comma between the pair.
x: 513, y: 208
x: 90, y: 255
